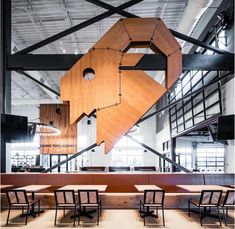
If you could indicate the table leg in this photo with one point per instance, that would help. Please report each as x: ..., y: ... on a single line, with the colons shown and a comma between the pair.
x: 32, y: 211
x: 148, y: 213
x: 84, y: 212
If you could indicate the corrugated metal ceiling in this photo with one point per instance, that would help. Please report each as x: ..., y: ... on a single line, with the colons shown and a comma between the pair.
x: 35, y: 20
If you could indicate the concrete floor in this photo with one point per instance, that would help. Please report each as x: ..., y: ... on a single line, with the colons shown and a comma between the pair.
x: 112, y: 219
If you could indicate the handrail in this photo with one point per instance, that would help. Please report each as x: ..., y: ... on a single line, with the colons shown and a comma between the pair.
x: 70, y: 158
x: 160, y: 155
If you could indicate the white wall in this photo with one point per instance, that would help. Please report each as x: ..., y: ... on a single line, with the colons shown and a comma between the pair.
x: 228, y: 108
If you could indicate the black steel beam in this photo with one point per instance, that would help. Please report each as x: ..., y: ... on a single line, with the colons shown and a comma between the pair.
x: 39, y: 83
x: 70, y: 158
x: 197, y: 42
x: 183, y: 98
x: 42, y: 62
x: 78, y: 27
x: 160, y: 155
x: 55, y: 62
x: 219, y: 62
x: 110, y: 7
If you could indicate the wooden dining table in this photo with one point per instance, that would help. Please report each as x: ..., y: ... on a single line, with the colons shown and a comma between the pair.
x: 141, y: 188
x: 100, y: 188
x: 199, y: 188
x: 33, y: 189
x: 5, y: 186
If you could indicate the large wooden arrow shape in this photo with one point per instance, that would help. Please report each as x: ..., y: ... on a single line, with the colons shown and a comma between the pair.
x: 120, y: 98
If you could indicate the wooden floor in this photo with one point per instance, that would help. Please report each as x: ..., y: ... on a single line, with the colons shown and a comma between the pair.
x: 115, y: 219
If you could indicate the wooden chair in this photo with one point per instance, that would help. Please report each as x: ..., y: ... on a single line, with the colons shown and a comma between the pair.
x: 208, y: 198
x: 65, y: 199
x: 19, y: 199
x: 89, y: 199
x: 152, y: 199
x: 229, y: 201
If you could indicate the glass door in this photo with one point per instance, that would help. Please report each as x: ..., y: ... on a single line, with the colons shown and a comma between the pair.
x: 55, y: 159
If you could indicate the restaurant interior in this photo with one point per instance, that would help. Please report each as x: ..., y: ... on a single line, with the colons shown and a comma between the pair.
x: 117, y: 114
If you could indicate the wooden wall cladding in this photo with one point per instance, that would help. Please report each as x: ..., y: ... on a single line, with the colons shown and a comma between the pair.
x: 87, y: 95
x: 139, y: 93
x: 120, y: 98
x: 66, y: 142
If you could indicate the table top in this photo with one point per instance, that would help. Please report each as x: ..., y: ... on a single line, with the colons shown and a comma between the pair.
x: 34, y: 188
x: 5, y: 186
x: 100, y: 188
x: 199, y: 188
x: 141, y: 188
x: 232, y: 186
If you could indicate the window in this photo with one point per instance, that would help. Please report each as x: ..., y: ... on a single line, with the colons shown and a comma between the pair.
x: 25, y: 153
x: 198, y: 107
x: 127, y: 152
x: 185, y: 157
x: 210, y: 159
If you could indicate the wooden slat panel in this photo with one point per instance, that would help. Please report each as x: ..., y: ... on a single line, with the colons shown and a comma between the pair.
x: 174, y: 68
x: 66, y: 142
x: 139, y: 93
x: 87, y: 95
x: 164, y: 40
x: 116, y: 38
x: 139, y: 29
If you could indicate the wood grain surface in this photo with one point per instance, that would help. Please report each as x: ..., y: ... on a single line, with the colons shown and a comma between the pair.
x: 120, y: 98
x: 66, y: 142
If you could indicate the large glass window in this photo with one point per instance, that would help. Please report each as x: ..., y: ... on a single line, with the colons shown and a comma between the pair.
x: 127, y: 152
x: 210, y: 159
x: 185, y: 157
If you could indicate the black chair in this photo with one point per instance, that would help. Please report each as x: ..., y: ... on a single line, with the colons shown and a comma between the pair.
x: 19, y: 199
x: 65, y: 199
x: 89, y: 199
x: 208, y: 199
x: 229, y: 201
x: 152, y: 199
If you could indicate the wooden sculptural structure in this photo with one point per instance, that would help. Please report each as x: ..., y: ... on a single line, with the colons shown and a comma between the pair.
x: 120, y: 98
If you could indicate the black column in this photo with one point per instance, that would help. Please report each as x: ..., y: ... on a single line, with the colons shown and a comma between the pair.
x: 5, y: 76
x: 173, y: 147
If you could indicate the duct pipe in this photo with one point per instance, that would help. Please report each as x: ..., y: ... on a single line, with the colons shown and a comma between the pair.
x: 193, y: 12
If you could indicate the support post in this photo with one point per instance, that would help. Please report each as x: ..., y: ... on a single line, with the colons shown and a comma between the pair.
x: 173, y: 149
x: 5, y: 75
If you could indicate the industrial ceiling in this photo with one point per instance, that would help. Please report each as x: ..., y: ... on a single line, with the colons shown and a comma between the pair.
x: 33, y: 21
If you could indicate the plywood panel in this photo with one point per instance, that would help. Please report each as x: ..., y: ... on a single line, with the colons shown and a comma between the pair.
x: 102, y: 91
x: 116, y: 38
x: 120, y: 102
x: 174, y: 68
x: 140, y: 30
x: 139, y: 93
x: 66, y: 142
x: 164, y: 40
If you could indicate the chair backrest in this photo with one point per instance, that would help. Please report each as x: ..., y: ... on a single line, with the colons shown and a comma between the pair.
x: 88, y: 196
x: 229, y: 198
x: 17, y: 197
x: 210, y: 197
x: 154, y: 196
x: 64, y: 197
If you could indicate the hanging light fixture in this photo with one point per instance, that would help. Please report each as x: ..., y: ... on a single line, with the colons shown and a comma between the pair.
x: 44, y: 129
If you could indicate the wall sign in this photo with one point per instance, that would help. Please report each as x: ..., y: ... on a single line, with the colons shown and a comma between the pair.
x: 66, y: 142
